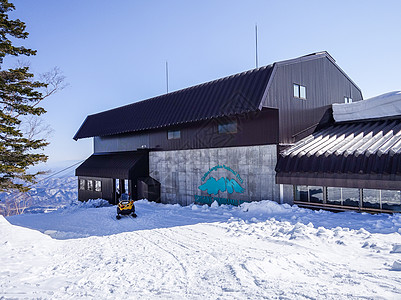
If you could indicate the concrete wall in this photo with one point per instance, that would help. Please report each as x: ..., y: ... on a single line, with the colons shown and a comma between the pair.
x: 181, y: 172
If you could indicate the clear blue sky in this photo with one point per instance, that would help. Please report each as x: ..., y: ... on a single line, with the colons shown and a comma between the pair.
x: 114, y: 52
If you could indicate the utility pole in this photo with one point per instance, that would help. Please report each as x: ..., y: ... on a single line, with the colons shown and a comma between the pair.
x: 167, y: 76
x: 256, y: 45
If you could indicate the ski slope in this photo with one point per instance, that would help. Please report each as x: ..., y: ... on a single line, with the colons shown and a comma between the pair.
x: 258, y: 250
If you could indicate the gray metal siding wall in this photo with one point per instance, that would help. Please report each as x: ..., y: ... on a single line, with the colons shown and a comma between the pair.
x: 180, y: 172
x: 325, y: 85
x: 123, y: 142
x: 258, y: 128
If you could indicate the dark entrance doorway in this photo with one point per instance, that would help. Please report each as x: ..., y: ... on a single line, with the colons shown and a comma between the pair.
x: 118, y: 173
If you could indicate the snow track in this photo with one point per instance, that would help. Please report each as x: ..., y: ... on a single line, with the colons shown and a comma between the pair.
x: 232, y: 259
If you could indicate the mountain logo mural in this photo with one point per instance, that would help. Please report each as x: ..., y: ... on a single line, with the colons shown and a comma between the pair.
x: 220, y: 179
x: 213, y: 186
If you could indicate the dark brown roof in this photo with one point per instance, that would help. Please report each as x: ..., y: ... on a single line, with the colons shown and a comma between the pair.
x: 231, y: 95
x: 122, y: 165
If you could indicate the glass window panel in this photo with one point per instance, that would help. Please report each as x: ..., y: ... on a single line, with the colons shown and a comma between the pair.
x: 126, y: 185
x: 371, y: 198
x: 98, y: 186
x: 334, y: 195
x: 350, y: 197
x: 173, y: 134
x: 232, y: 127
x: 81, y: 184
x: 316, y: 194
x: 347, y: 100
x: 301, y: 193
x: 228, y: 127
x: 302, y: 92
x: 391, y: 200
x: 90, y: 185
x: 296, y: 90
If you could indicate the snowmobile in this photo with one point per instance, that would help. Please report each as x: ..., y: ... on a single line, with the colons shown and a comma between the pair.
x: 125, y: 207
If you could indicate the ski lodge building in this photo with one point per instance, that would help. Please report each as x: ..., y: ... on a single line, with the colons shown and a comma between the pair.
x: 247, y: 137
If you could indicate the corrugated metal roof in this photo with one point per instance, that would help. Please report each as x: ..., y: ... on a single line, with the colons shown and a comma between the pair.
x: 370, y: 147
x: 113, y: 165
x: 231, y: 95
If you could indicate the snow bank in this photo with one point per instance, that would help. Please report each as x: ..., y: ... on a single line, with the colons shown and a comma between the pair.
x: 91, y: 203
x: 385, y: 105
x: 266, y: 207
x: 396, y: 266
x: 19, y: 234
x: 396, y: 248
x: 98, y: 218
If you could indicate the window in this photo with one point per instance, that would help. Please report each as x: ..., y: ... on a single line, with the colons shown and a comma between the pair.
x: 299, y: 91
x: 98, y: 186
x: 301, y: 193
x: 90, y: 185
x: 296, y: 90
x: 391, y: 200
x: 347, y: 100
x: 316, y: 194
x: 334, y: 196
x: 371, y: 198
x: 230, y: 127
x: 82, y: 184
x: 302, y: 92
x: 350, y: 197
x: 173, y: 134
x: 309, y: 193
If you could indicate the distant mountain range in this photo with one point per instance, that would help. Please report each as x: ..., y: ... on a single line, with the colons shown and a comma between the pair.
x: 46, y: 195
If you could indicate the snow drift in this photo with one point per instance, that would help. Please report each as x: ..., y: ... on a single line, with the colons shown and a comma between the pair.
x: 385, y: 105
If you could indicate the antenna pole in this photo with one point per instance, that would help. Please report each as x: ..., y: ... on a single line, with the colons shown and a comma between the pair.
x: 256, y: 45
x: 167, y: 76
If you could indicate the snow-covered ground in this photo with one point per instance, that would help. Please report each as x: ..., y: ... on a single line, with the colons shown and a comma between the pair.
x: 258, y: 250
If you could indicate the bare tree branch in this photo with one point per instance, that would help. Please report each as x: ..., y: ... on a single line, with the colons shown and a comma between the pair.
x: 34, y: 128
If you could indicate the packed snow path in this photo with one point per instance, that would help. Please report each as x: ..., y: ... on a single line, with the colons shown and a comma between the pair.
x: 173, y: 252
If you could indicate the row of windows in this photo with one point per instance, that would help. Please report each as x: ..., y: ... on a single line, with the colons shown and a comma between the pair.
x: 230, y: 127
x: 90, y: 185
x: 300, y: 92
x: 347, y: 100
x: 363, y: 198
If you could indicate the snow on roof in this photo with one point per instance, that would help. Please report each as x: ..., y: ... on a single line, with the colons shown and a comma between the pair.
x: 385, y: 105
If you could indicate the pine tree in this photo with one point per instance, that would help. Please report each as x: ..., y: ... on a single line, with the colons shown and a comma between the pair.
x: 20, y: 95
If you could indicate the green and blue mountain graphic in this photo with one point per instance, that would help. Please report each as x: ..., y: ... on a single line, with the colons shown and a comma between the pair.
x: 213, y: 186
